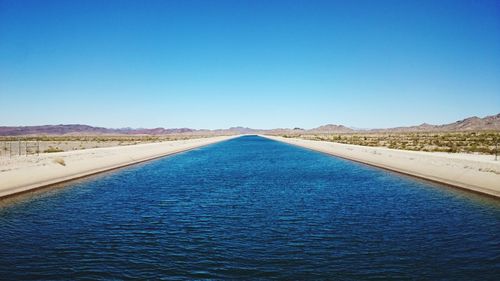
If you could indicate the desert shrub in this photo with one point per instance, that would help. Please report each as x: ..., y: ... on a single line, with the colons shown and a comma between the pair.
x: 60, y: 161
x: 53, y: 149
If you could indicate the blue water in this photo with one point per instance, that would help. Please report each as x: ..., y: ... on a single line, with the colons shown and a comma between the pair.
x: 251, y: 208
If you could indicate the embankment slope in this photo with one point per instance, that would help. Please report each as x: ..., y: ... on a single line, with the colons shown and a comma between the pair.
x: 478, y: 173
x: 21, y: 173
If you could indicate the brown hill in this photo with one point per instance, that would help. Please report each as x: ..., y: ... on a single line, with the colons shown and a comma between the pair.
x: 488, y: 123
x: 331, y: 128
x: 77, y: 129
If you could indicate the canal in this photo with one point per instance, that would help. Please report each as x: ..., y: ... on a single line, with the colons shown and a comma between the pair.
x: 250, y: 208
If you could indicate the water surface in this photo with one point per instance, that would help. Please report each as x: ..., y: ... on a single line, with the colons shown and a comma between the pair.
x: 251, y: 208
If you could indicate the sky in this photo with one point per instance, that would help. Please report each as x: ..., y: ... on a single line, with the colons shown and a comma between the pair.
x: 261, y: 64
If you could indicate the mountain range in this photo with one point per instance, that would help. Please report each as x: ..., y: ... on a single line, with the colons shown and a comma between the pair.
x: 488, y: 123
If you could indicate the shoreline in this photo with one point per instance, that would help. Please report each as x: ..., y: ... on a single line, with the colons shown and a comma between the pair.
x: 24, y: 174
x: 473, y: 173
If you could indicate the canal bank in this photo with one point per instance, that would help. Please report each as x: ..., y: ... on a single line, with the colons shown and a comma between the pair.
x: 476, y: 173
x: 23, y: 174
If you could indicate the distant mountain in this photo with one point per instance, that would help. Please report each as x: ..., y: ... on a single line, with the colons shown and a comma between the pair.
x: 241, y: 130
x: 488, y: 123
x: 77, y: 129
x: 474, y: 123
x: 330, y: 128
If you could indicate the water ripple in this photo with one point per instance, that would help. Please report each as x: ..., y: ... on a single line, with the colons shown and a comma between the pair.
x: 251, y: 208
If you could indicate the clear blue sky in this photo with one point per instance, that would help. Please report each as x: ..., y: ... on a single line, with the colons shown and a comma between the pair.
x: 262, y: 64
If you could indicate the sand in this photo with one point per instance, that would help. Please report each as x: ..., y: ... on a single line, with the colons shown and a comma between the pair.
x: 479, y: 173
x: 23, y: 173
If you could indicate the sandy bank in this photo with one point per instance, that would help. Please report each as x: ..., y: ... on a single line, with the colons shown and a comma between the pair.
x: 20, y: 174
x: 479, y: 173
